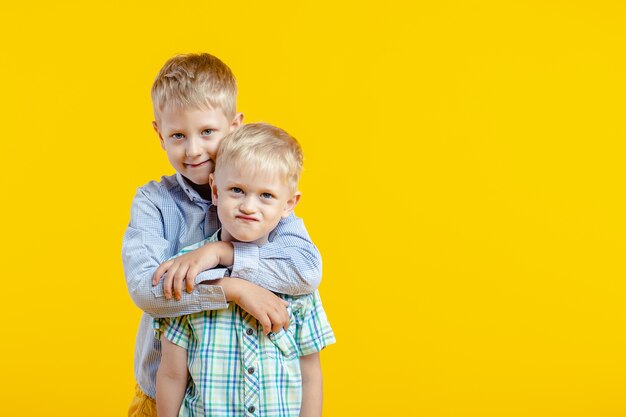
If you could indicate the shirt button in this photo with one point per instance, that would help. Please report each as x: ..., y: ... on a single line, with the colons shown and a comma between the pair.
x: 251, y: 371
x: 251, y: 409
x: 249, y: 332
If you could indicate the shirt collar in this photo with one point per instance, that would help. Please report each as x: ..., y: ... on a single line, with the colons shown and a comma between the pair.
x: 217, y: 236
x: 191, y: 193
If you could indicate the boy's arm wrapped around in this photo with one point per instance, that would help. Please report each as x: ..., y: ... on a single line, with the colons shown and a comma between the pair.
x: 288, y: 264
x: 145, y: 247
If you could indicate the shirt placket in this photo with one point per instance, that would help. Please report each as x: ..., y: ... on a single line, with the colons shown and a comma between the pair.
x: 211, y: 222
x: 249, y: 345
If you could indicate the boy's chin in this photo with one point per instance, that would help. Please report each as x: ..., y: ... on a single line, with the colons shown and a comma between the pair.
x: 249, y: 238
x: 197, y: 180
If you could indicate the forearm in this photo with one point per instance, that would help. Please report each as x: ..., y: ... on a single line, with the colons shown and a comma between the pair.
x: 289, y: 264
x: 171, y: 379
x: 202, y: 298
x: 170, y: 394
x: 150, y: 298
x: 312, y: 389
x: 146, y: 245
x: 231, y: 288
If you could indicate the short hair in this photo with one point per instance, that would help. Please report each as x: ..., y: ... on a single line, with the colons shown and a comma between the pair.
x: 264, y: 149
x: 195, y: 80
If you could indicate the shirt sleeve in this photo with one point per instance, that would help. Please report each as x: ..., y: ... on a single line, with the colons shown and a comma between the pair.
x: 144, y: 248
x: 175, y: 329
x: 313, y: 331
x: 288, y: 264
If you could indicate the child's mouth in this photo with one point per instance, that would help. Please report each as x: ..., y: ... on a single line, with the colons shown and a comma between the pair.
x: 246, y: 218
x: 198, y: 165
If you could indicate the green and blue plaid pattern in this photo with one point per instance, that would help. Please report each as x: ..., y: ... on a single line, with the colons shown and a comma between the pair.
x: 235, y: 369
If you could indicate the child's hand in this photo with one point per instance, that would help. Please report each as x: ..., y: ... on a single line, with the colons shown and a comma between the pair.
x: 186, y: 267
x: 269, y: 309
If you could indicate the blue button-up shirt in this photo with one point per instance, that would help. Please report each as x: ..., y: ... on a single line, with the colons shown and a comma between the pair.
x: 168, y: 215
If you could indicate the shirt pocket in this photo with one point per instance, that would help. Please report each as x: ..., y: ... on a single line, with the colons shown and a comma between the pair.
x: 280, y: 345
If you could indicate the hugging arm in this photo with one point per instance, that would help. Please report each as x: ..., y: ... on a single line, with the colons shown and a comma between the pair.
x: 288, y: 264
x: 144, y: 248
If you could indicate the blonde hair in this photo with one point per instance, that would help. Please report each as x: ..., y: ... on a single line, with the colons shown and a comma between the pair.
x: 195, y: 80
x: 264, y: 149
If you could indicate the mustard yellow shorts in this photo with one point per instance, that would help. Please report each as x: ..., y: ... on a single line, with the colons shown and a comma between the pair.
x: 141, y: 405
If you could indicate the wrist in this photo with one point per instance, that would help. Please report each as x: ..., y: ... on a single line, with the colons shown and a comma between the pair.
x: 231, y: 287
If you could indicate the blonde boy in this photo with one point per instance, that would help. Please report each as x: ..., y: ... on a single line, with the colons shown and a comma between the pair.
x: 234, y: 368
x: 194, y: 99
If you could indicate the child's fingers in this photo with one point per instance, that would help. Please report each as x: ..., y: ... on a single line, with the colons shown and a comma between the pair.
x: 167, y: 281
x: 190, y: 280
x: 178, y: 281
x: 156, y: 277
x: 276, y: 327
x: 266, y: 323
x: 285, y: 313
x: 279, y: 318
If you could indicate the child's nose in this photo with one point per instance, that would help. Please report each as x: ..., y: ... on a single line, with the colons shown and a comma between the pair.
x: 194, y: 148
x: 247, y: 205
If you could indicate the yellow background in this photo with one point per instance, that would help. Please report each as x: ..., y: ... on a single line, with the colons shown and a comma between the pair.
x: 464, y: 182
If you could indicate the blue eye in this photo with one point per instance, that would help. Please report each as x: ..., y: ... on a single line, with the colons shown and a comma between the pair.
x: 267, y: 195
x: 178, y: 136
x: 207, y: 132
x: 236, y: 190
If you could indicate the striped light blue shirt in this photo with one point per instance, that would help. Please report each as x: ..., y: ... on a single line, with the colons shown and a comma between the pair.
x: 168, y: 215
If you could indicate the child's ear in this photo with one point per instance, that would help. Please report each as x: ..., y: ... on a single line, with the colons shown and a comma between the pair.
x: 155, y: 126
x: 291, y: 204
x: 237, y: 122
x: 213, y: 188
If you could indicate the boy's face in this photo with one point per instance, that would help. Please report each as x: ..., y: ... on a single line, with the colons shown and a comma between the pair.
x: 190, y: 138
x: 250, y: 204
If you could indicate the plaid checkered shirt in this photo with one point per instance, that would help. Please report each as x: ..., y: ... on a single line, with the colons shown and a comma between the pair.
x: 235, y: 369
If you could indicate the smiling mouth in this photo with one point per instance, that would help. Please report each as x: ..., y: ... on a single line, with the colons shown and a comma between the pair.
x: 198, y: 165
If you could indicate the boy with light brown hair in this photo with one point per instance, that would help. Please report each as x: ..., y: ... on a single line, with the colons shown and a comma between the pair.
x: 194, y: 100
x: 254, y: 185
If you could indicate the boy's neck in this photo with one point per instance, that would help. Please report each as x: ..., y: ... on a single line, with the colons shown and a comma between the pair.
x: 224, y: 236
x: 203, y: 189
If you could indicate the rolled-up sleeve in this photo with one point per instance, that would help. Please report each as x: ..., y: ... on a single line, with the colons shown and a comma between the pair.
x: 289, y: 263
x: 144, y: 248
